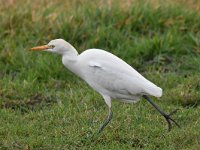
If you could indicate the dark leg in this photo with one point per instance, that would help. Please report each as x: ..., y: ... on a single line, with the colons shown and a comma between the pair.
x: 107, y: 120
x: 167, y: 116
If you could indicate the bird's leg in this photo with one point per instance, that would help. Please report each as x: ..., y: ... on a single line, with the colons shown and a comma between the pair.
x: 107, y: 120
x: 167, y: 116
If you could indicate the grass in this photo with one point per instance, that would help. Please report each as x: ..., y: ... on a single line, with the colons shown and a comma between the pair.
x: 44, y: 106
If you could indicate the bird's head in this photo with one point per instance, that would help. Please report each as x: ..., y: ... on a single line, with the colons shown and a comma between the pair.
x: 59, y: 46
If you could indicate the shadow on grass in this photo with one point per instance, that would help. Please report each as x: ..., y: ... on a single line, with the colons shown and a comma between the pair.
x: 36, y: 101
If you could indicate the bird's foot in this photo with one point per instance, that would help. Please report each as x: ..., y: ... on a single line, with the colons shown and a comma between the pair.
x: 170, y: 120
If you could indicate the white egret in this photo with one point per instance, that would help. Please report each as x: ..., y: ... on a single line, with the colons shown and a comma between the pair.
x: 108, y: 75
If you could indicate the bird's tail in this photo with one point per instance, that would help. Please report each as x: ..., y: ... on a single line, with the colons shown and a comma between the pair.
x: 153, y: 90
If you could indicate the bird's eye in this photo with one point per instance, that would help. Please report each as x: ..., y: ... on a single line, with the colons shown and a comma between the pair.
x: 51, y: 46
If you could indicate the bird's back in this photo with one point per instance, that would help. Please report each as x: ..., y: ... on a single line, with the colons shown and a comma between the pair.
x: 110, y: 75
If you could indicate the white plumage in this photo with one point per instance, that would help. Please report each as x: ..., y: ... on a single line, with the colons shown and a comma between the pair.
x: 106, y: 73
x: 111, y: 76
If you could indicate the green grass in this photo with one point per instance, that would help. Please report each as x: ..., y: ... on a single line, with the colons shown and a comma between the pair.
x: 44, y: 106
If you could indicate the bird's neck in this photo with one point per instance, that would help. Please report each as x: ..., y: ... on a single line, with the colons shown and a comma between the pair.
x: 70, y: 56
x: 70, y: 61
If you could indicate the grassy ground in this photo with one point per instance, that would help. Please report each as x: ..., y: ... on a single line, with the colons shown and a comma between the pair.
x: 44, y: 106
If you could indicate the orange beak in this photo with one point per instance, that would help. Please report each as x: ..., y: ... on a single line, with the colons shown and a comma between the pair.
x: 40, y: 48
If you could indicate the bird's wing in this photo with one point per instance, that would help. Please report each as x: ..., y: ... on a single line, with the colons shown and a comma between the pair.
x: 114, y: 80
x: 108, y: 72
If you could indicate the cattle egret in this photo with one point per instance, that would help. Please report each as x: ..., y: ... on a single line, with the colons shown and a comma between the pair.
x: 109, y: 75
